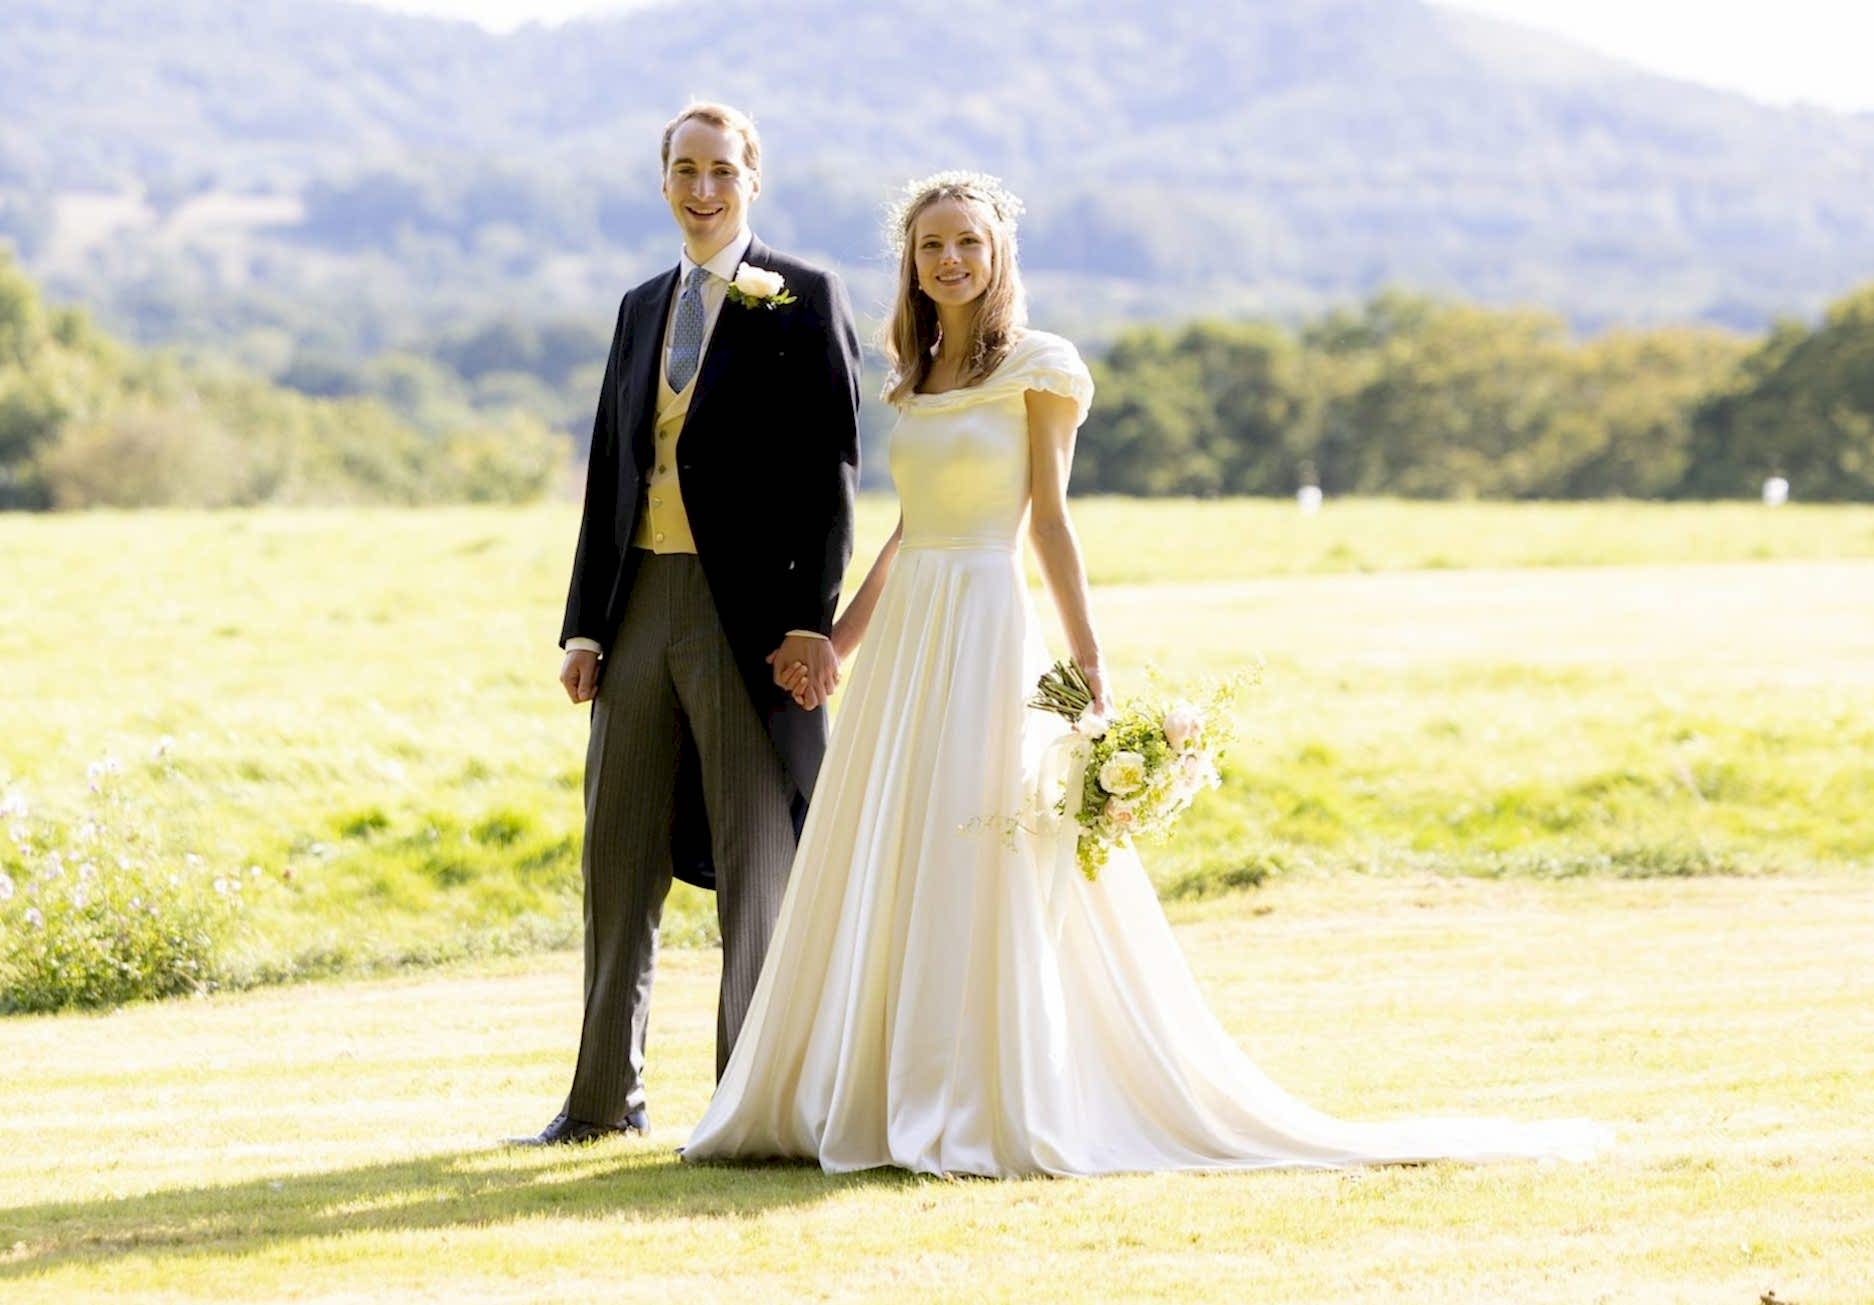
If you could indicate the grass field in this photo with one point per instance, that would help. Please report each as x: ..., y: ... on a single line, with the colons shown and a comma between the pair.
x: 337, y: 1141
x: 1555, y: 810
x: 362, y: 703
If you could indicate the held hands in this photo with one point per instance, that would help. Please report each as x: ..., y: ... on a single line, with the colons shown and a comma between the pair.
x: 580, y: 674
x: 806, y: 668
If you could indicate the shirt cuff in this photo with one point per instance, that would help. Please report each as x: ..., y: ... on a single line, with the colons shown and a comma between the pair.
x: 805, y: 634
x: 578, y: 644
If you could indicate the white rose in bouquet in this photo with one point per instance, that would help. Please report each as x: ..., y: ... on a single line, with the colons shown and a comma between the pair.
x: 1123, y: 774
x: 1183, y: 726
x: 1120, y: 815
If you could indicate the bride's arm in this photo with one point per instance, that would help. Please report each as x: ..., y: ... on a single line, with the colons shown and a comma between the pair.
x: 850, y: 628
x: 1051, y: 426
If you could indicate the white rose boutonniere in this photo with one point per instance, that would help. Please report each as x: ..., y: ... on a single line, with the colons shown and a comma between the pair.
x: 757, y: 287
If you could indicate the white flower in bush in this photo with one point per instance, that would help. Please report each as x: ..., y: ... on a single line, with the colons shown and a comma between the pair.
x: 1092, y: 724
x: 6, y: 887
x: 35, y: 919
x: 1123, y: 774
x: 1183, y: 726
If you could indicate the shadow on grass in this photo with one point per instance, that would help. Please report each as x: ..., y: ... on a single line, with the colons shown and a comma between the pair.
x: 460, y: 1189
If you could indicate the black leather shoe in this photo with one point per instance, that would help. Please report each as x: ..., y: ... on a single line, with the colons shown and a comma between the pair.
x: 565, y: 1131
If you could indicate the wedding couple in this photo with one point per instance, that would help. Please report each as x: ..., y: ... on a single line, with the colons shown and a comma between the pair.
x: 898, y: 988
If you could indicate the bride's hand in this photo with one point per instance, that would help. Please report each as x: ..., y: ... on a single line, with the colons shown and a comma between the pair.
x: 1096, y: 682
x: 795, y: 679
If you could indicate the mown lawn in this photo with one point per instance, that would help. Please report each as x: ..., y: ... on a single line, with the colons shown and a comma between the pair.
x: 338, y: 1141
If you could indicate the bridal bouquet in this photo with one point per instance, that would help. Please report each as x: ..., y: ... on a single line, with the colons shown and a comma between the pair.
x: 1132, y: 773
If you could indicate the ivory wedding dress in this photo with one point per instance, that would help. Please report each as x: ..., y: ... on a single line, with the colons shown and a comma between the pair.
x: 938, y: 1000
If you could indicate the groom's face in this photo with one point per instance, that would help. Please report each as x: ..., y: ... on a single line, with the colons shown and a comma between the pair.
x: 708, y: 185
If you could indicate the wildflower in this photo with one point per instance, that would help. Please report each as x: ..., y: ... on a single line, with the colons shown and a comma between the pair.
x: 191, y: 860
x: 221, y: 886
x: 81, y: 897
x: 164, y: 746
x: 35, y: 919
x: 6, y: 887
x: 13, y: 805
x: 253, y: 872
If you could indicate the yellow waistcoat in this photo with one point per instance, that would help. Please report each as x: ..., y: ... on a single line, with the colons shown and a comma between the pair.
x: 663, y: 525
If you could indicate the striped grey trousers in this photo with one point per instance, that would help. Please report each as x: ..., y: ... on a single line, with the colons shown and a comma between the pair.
x: 670, y: 663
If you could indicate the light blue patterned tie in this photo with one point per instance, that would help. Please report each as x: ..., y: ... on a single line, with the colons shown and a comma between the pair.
x: 686, y: 342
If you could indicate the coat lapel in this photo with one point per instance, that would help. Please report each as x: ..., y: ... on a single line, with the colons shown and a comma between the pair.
x: 733, y: 330
x: 645, y: 373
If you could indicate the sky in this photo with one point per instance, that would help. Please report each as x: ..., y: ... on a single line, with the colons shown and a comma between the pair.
x: 1787, y: 52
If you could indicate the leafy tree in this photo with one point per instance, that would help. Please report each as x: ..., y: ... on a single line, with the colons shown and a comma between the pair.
x: 1804, y: 410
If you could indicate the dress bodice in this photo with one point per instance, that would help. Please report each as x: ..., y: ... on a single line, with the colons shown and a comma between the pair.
x: 959, y: 460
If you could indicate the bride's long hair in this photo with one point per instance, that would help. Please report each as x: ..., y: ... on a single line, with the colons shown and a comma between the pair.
x: 912, y: 332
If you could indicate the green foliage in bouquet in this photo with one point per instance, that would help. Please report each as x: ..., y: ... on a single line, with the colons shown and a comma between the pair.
x: 1135, y: 772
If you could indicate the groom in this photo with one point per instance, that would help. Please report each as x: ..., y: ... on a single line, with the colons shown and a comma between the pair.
x: 718, y: 523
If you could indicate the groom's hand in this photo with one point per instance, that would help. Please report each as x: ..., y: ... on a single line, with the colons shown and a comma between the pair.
x: 580, y: 674
x: 813, y: 661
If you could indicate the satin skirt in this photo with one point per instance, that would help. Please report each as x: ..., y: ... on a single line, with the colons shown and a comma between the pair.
x: 941, y: 997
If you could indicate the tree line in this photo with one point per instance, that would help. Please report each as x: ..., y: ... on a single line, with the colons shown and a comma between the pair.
x: 87, y: 421
x: 1430, y: 398
x: 1403, y: 395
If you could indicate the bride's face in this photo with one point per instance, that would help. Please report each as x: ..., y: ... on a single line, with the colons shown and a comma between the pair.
x: 952, y: 251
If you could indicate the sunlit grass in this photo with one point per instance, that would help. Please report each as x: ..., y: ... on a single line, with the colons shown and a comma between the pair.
x: 338, y: 1141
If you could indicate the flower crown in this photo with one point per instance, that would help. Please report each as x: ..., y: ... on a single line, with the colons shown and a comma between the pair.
x: 978, y: 187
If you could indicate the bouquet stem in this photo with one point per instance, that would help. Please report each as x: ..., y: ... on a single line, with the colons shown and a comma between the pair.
x: 1063, y: 690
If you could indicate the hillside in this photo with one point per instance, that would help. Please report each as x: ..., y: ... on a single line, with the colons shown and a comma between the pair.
x: 284, y: 174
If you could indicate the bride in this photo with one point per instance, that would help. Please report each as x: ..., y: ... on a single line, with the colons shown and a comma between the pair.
x: 933, y: 997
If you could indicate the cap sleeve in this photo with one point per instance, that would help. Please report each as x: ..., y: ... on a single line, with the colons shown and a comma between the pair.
x: 1048, y: 362
x: 1039, y: 361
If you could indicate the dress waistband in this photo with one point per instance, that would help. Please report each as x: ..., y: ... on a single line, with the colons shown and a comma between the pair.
x: 957, y: 544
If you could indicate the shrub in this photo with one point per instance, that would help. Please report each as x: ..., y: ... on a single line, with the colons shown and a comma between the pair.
x: 93, y: 914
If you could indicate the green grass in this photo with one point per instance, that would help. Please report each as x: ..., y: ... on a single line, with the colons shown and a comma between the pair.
x: 336, y: 1142
x: 363, y: 703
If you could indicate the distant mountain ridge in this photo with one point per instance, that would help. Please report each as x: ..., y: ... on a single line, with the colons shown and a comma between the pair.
x: 1260, y: 156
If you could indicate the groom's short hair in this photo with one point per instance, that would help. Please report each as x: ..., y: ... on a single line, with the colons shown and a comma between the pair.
x: 725, y: 117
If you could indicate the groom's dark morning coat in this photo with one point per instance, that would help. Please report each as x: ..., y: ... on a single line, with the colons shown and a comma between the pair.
x: 768, y: 463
